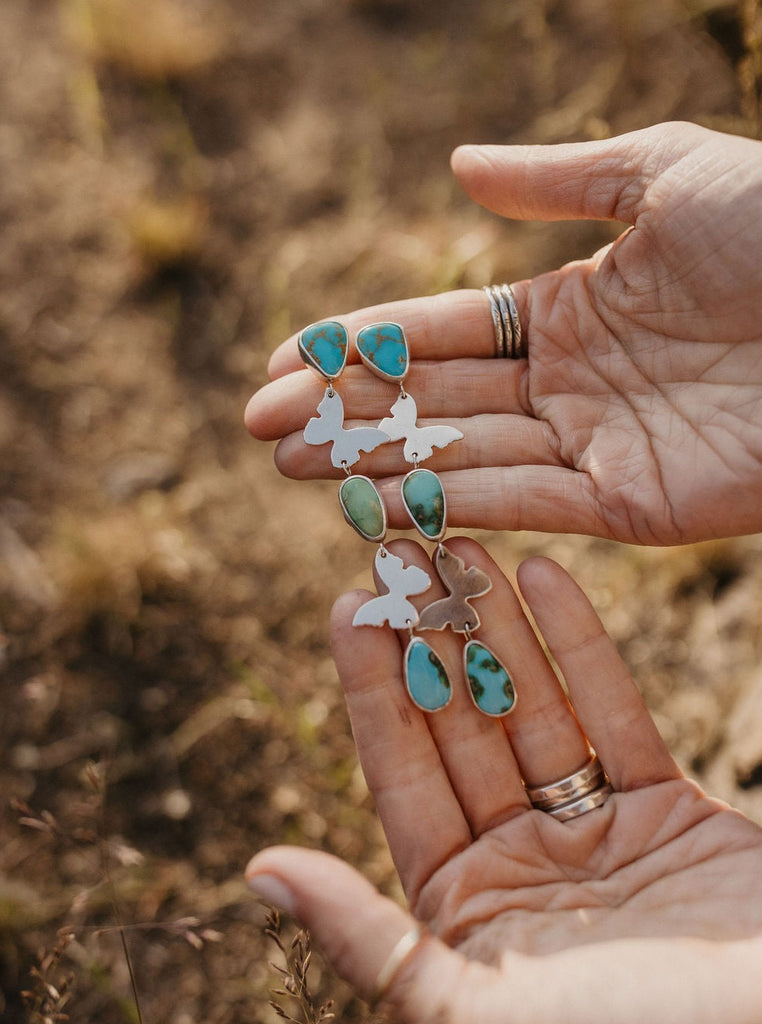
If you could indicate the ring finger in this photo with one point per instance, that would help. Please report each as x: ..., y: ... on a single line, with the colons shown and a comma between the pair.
x: 454, y: 388
x: 544, y: 734
x: 445, y: 326
x: 487, y: 441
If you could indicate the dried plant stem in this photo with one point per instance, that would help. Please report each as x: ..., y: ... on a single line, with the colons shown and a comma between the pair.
x: 297, y: 956
x: 51, y: 990
x: 97, y: 779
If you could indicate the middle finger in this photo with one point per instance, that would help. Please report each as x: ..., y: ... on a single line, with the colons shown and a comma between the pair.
x: 443, y: 326
x: 544, y: 734
x: 455, y: 387
x: 487, y: 441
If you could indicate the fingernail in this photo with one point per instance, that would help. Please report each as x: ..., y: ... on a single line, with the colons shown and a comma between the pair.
x: 273, y: 891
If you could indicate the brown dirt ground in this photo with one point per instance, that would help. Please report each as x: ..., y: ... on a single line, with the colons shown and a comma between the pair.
x: 185, y: 182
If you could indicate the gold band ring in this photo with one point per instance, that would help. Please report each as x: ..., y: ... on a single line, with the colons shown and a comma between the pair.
x: 578, y: 783
x: 582, y: 804
x: 399, y: 954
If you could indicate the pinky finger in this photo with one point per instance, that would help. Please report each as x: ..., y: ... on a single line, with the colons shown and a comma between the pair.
x: 606, y: 700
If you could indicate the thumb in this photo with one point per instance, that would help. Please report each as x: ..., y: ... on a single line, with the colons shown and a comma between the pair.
x: 603, y: 180
x: 358, y: 929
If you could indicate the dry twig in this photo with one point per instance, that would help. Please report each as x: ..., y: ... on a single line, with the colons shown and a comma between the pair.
x: 297, y: 956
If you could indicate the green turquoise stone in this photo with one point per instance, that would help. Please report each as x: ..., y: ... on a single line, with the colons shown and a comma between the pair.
x: 423, y: 497
x: 362, y: 507
x: 383, y: 348
x: 323, y: 347
x: 490, y: 684
x: 425, y: 677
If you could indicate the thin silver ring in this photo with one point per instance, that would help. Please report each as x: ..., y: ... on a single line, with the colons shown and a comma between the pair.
x: 513, y: 309
x: 583, y: 804
x: 577, y: 784
x: 505, y: 321
x: 399, y: 954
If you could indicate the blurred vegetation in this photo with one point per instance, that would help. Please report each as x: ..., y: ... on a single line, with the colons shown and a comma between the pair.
x: 185, y: 182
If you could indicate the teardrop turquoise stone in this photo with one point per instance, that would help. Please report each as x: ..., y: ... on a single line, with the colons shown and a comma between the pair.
x: 423, y: 497
x: 489, y: 682
x: 425, y: 677
x: 383, y: 349
x: 323, y: 347
x: 362, y: 507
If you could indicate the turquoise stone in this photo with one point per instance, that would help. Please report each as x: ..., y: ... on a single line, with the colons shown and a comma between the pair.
x: 383, y: 349
x: 425, y: 677
x: 323, y: 347
x: 489, y: 682
x: 362, y: 507
x: 423, y: 497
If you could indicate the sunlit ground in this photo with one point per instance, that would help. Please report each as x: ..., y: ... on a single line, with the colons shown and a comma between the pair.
x: 184, y: 183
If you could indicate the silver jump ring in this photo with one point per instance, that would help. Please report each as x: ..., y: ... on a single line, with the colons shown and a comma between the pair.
x: 573, y: 786
x: 399, y: 954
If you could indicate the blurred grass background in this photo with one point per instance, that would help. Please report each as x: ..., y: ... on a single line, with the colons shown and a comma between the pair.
x: 184, y: 183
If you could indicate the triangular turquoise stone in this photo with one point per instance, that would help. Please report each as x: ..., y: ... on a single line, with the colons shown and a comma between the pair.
x: 323, y: 347
x: 489, y: 682
x: 425, y: 676
x: 383, y: 349
x: 423, y: 497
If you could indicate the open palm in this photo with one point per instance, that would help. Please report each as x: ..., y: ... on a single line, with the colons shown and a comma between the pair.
x: 645, y: 909
x: 647, y: 867
x: 638, y: 413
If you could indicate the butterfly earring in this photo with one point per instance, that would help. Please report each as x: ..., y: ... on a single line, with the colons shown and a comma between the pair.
x: 425, y: 676
x: 323, y: 347
x: 384, y: 349
x: 489, y: 683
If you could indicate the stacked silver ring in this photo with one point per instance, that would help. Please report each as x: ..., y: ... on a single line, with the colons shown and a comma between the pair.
x: 575, y: 794
x: 505, y: 320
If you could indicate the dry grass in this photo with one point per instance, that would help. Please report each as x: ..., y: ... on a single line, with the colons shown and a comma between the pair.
x: 184, y: 184
x: 294, y: 996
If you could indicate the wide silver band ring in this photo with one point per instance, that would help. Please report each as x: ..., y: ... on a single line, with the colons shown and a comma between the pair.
x: 399, y: 954
x: 582, y: 804
x: 505, y: 321
x: 577, y: 784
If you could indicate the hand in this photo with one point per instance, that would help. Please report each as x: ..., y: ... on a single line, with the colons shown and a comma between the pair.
x: 638, y: 413
x: 648, y: 908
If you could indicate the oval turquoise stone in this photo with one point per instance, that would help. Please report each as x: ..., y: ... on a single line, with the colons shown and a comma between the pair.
x: 489, y: 682
x: 383, y: 349
x: 323, y: 346
x: 423, y: 497
x: 425, y: 677
x: 362, y: 507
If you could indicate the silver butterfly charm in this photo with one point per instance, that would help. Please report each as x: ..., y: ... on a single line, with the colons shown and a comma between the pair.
x: 328, y: 425
x: 420, y: 442
x: 401, y: 581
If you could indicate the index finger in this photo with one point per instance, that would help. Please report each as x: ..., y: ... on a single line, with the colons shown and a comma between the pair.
x: 450, y: 325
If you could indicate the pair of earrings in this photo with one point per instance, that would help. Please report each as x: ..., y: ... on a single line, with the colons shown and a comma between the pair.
x: 384, y: 350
